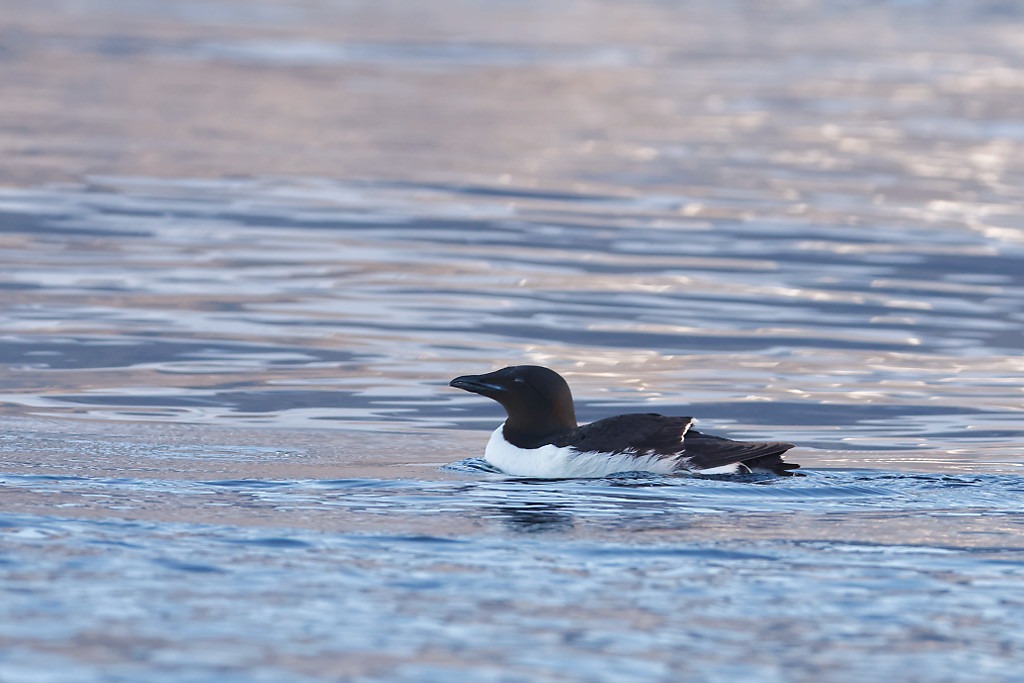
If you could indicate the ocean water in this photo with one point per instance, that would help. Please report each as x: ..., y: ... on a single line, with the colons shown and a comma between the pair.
x: 232, y: 296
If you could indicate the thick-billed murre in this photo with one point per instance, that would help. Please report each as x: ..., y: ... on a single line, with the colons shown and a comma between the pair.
x: 540, y: 438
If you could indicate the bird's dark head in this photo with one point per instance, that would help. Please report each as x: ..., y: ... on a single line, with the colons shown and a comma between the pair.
x: 537, y: 400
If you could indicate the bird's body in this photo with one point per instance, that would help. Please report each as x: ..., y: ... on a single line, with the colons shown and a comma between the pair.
x: 540, y: 438
x: 553, y: 462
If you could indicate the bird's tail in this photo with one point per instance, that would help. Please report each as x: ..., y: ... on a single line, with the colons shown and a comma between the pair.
x: 773, y: 463
x: 704, y: 451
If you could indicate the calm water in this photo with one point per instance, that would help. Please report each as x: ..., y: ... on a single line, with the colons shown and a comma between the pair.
x: 229, y: 451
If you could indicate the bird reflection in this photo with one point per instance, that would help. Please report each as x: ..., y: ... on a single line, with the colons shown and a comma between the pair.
x: 534, y: 518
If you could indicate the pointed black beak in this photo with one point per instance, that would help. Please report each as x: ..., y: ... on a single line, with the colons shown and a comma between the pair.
x: 477, y: 385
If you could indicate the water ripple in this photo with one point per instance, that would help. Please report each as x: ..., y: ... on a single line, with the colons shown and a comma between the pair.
x: 355, y: 302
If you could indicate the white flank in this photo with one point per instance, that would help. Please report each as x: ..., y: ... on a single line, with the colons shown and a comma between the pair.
x: 552, y: 462
x: 734, y: 468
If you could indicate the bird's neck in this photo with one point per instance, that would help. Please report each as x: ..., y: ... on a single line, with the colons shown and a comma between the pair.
x: 531, y: 431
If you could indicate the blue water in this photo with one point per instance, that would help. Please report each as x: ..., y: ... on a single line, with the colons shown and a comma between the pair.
x: 618, y: 579
x: 244, y: 247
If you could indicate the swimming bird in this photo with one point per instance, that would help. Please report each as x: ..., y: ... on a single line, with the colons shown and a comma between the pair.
x: 540, y: 438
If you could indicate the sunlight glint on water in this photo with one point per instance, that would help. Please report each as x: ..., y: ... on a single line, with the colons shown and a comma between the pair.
x: 244, y: 247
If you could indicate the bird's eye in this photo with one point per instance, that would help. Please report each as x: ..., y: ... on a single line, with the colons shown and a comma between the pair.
x: 518, y: 380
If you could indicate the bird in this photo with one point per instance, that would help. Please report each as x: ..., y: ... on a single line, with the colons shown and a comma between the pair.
x: 541, y: 438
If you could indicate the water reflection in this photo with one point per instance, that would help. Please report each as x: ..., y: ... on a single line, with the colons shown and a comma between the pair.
x: 354, y: 302
x: 535, y: 518
x: 224, y: 358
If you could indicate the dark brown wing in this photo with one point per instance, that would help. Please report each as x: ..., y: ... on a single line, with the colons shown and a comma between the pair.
x: 633, y: 433
x: 703, y: 451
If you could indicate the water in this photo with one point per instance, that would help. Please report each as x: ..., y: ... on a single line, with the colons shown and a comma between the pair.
x: 232, y: 296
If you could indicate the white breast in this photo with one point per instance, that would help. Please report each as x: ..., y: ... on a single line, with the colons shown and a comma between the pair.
x: 552, y: 462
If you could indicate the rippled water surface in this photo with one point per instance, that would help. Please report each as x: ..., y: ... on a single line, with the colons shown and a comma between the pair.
x: 232, y: 296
